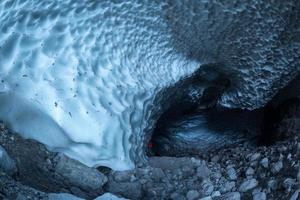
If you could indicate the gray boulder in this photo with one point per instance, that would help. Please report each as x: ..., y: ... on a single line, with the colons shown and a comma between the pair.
x: 79, y: 174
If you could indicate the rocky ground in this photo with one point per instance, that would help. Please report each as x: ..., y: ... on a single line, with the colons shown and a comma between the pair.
x: 30, y: 171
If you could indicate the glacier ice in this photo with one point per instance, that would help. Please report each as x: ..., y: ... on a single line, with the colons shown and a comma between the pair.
x: 88, y: 78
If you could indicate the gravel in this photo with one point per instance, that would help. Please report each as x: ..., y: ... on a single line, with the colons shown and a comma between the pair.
x: 236, y: 172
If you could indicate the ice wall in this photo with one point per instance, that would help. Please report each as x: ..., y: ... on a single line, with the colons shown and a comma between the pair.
x: 80, y: 76
x: 83, y: 77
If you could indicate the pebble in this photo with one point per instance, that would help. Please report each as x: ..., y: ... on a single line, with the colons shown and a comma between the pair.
x: 215, y: 159
x: 215, y: 176
x: 248, y: 185
x: 176, y: 196
x: 276, y: 167
x: 259, y: 196
x: 265, y: 162
x: 192, y: 194
x: 228, y: 186
x: 273, y: 184
x: 250, y: 171
x: 231, y: 173
x: 202, y: 172
x: 255, y: 156
x: 207, y: 187
x: 215, y: 194
x: 288, y: 184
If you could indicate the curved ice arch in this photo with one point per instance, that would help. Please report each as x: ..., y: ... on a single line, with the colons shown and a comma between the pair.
x: 86, y: 77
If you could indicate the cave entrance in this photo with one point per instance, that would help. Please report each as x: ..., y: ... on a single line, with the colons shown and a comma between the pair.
x: 196, y: 124
x: 193, y: 132
x: 200, y: 132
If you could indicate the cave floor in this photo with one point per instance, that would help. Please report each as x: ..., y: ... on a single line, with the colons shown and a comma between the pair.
x: 235, y: 172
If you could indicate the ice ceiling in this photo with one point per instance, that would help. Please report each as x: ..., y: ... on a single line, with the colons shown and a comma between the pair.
x: 90, y: 78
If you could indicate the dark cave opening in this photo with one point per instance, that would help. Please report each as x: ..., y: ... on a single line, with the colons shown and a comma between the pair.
x: 188, y: 132
x: 199, y: 132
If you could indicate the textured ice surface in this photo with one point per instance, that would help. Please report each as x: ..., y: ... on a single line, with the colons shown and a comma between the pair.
x: 83, y: 76
x: 80, y: 76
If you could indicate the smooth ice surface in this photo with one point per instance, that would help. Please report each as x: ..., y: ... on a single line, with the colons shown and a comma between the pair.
x: 85, y: 77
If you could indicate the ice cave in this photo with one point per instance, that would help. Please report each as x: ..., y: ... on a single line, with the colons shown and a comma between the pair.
x: 118, y: 84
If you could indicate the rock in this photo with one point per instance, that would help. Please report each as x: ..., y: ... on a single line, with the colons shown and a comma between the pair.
x: 259, y: 196
x: 62, y: 196
x: 276, y: 167
x: 157, y: 174
x: 79, y: 174
x: 248, y: 185
x: 215, y: 194
x: 215, y: 159
x: 6, y: 163
x: 227, y: 187
x: 265, y: 162
x: 253, y: 164
x: 255, y: 157
x: 216, y: 175
x: 288, y: 183
x: 273, y: 184
x: 231, y: 173
x: 250, y: 171
x: 192, y: 194
x: 187, y: 171
x: 109, y: 196
x: 229, y: 196
x: 203, y: 172
x: 79, y: 192
x: 122, y: 176
x: 295, y: 195
x: 130, y: 190
x: 207, y: 187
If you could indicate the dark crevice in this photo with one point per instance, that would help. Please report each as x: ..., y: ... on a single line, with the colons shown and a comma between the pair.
x: 272, y: 126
